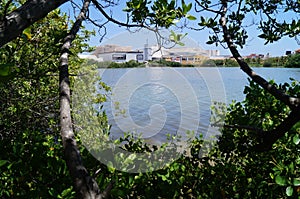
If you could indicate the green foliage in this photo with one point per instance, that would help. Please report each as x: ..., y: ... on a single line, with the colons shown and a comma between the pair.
x: 275, y: 61
x: 134, y: 64
x: 169, y: 63
x: 32, y: 160
x: 164, y: 63
x: 176, y: 38
x: 160, y: 13
x: 226, y: 62
x: 293, y: 61
x: 129, y: 64
x: 263, y: 111
x: 267, y: 64
x: 34, y: 166
x: 256, y: 62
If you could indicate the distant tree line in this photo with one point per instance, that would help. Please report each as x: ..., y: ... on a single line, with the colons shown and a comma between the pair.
x: 290, y: 61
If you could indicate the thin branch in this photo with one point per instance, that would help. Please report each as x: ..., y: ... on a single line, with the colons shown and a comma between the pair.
x: 109, y: 18
x: 206, y: 8
x: 239, y: 7
x: 100, y: 27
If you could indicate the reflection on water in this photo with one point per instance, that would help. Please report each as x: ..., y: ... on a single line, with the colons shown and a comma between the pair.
x: 158, y: 101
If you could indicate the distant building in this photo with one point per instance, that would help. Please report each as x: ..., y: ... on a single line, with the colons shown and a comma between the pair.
x: 213, y: 53
x: 297, y: 51
x: 288, y: 52
x: 253, y: 56
x: 122, y: 56
x: 118, y: 54
x: 147, y: 52
x: 184, y: 55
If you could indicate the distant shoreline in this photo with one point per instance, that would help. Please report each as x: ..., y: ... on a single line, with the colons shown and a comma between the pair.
x: 267, y: 63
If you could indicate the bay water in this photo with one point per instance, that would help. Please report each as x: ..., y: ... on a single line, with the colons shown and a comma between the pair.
x: 156, y: 101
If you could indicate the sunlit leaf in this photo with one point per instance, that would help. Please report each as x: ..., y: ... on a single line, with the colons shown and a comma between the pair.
x: 27, y: 33
x: 296, y: 181
x: 289, y: 191
x: 280, y: 180
x: 296, y: 139
x: 191, y: 17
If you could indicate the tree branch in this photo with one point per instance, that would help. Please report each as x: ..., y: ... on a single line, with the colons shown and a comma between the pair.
x: 292, y: 102
x: 268, y: 138
x: 109, y: 18
x: 12, y: 25
x: 84, y: 185
x: 206, y: 8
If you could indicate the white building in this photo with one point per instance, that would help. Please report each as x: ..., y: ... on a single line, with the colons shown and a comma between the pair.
x: 184, y: 55
x: 121, y: 57
x: 120, y: 54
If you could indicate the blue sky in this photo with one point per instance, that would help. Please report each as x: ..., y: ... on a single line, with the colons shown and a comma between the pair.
x: 253, y: 45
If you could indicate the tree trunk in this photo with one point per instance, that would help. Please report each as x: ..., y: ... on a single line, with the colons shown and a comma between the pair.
x: 84, y: 185
x: 12, y: 25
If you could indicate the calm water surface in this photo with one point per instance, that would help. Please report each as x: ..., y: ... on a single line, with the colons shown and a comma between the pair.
x: 154, y: 102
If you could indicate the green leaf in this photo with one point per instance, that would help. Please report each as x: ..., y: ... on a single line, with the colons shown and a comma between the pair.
x: 280, y: 180
x: 289, y: 191
x: 263, y: 36
x: 296, y: 139
x: 191, y: 17
x: 3, y: 162
x: 130, y: 180
x: 210, y: 42
x: 186, y: 8
x: 27, y: 33
x: 5, y: 69
x: 296, y: 181
x: 110, y: 167
x: 164, y: 178
x: 66, y: 192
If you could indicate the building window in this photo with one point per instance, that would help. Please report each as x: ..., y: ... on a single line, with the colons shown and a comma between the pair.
x: 139, y: 57
x: 119, y: 57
